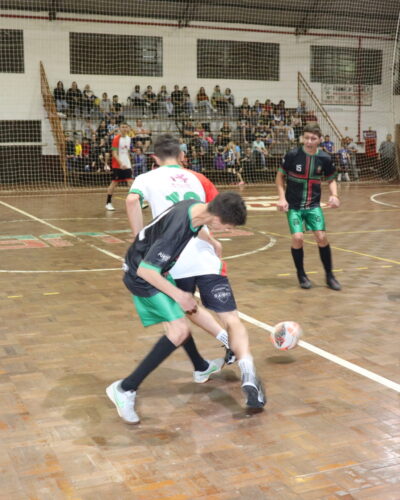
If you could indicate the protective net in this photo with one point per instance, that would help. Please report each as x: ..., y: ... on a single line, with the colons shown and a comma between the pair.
x: 235, y: 81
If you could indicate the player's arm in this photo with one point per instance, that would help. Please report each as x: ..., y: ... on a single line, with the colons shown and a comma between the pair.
x: 334, y: 200
x: 153, y: 276
x: 134, y: 211
x: 282, y: 205
x: 206, y: 236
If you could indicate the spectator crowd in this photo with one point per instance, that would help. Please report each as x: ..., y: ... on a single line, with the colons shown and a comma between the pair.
x: 249, y: 134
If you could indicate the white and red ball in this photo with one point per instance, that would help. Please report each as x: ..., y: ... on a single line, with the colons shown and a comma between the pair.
x: 286, y: 335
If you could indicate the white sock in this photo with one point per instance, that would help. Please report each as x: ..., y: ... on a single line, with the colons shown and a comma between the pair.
x: 246, y: 366
x: 223, y: 338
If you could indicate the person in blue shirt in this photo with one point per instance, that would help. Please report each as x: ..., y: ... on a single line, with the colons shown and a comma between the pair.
x: 327, y: 145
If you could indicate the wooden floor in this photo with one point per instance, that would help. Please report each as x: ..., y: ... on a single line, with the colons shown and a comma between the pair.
x: 69, y: 329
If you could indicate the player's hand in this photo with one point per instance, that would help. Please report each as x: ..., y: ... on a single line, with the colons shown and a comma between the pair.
x: 282, y: 206
x: 107, y: 168
x: 217, y: 247
x: 187, y: 302
x: 334, y: 201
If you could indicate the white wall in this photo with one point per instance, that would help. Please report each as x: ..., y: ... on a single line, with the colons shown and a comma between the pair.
x: 49, y: 42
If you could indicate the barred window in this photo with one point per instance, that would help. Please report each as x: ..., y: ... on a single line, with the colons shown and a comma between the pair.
x: 12, y: 51
x: 237, y: 60
x: 346, y: 65
x: 125, y: 55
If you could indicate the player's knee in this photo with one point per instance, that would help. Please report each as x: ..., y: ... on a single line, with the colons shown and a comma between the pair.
x: 297, y: 240
x: 321, y: 239
x: 178, y: 331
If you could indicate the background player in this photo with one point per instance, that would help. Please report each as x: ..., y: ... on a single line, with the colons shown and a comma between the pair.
x: 156, y: 298
x: 303, y: 169
x: 121, y: 162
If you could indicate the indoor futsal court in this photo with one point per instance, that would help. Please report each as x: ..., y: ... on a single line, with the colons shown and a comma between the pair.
x: 87, y: 90
x: 327, y: 431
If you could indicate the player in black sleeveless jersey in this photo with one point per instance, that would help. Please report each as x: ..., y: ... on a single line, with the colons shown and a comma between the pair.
x: 303, y: 169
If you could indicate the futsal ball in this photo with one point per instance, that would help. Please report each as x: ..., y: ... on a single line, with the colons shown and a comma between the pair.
x: 286, y: 335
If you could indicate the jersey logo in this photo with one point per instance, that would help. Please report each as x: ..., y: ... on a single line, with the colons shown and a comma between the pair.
x: 298, y: 168
x: 163, y: 256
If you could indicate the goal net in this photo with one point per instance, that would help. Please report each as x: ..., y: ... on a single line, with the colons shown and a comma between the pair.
x: 236, y: 83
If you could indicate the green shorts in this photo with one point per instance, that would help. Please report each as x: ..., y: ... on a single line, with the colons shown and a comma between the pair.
x: 312, y: 218
x: 157, y: 308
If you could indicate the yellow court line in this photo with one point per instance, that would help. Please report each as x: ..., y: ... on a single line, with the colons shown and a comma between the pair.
x: 341, y: 249
x: 14, y: 296
x: 51, y: 293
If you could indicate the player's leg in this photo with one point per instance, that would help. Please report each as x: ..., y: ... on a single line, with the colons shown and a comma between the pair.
x: 315, y: 222
x: 295, y: 221
x: 216, y: 294
x: 202, y: 368
x: 151, y: 310
x: 110, y: 192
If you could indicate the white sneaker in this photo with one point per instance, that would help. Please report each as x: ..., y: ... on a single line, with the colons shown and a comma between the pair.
x: 109, y: 206
x: 215, y: 366
x: 124, y: 402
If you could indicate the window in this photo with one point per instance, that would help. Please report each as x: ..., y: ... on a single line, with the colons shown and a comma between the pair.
x: 237, y: 60
x: 12, y: 51
x: 346, y: 65
x: 101, y: 54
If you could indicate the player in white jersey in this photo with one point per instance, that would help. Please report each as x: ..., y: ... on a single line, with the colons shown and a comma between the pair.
x: 199, y: 264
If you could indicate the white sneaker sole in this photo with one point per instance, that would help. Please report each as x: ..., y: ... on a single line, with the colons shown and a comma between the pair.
x: 110, y: 394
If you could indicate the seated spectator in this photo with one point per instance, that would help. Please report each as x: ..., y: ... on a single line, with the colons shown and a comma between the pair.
x: 86, y: 154
x: 177, y: 101
x: 136, y: 100
x: 70, y: 153
x: 104, y: 154
x: 225, y: 133
x: 283, y: 138
x: 310, y: 117
x: 253, y: 117
x: 116, y: 110
x: 282, y: 109
x: 194, y: 160
x: 59, y: 96
x: 268, y: 107
x: 105, y: 106
x: 218, y: 101
x: 260, y: 152
x: 188, y: 130
x: 78, y: 153
x: 139, y: 161
x: 297, y: 125
x: 150, y: 100
x: 88, y: 128
x: 200, y: 129
x: 112, y: 127
x: 169, y: 107
x: 244, y: 109
x: 277, y: 115
x: 327, y: 145
x: 229, y: 99
x: 88, y: 99
x: 219, y: 159
x: 182, y: 145
x: 142, y: 134
x: 74, y: 100
x: 102, y: 130
x: 301, y: 109
x: 188, y: 106
x: 203, y: 102
x: 162, y: 97
x: 258, y: 107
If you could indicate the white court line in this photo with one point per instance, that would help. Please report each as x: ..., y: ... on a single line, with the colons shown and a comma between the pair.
x: 390, y: 384
x: 373, y: 198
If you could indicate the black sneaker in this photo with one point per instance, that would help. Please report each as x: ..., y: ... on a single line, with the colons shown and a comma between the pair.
x: 304, y: 281
x: 230, y: 357
x: 253, y: 390
x: 332, y: 282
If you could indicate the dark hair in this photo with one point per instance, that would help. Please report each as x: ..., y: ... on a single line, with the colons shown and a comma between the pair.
x: 167, y: 146
x: 229, y: 207
x: 312, y: 129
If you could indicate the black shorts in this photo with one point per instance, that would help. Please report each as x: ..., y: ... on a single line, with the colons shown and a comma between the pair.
x: 121, y: 174
x: 215, y: 291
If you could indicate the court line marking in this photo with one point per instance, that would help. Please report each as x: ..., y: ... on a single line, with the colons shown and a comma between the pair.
x: 342, y: 249
x: 374, y: 200
x: 390, y: 384
x: 264, y: 326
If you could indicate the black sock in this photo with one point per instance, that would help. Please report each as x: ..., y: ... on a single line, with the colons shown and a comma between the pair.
x: 326, y: 258
x: 109, y: 196
x: 161, y: 350
x: 199, y: 363
x: 298, y: 257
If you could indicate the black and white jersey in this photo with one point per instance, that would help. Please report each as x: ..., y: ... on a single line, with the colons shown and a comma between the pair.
x: 158, y: 245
